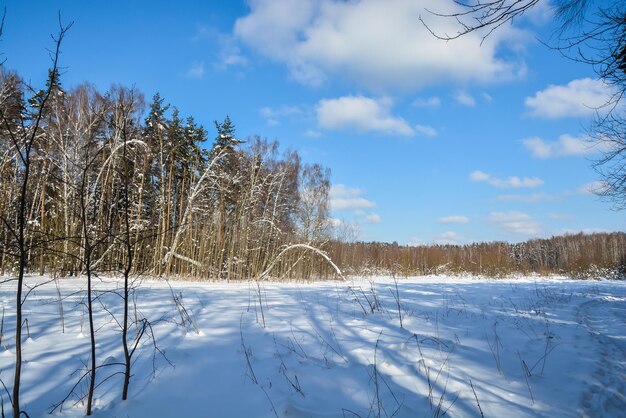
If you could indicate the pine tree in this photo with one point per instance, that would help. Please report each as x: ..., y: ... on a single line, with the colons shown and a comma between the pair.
x: 226, y: 150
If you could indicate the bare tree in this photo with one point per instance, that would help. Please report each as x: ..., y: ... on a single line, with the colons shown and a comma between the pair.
x: 487, y: 16
x: 88, y: 251
x: 23, y: 138
x: 603, y: 46
x: 89, y: 116
x: 313, y: 212
x: 124, y: 130
x: 611, y: 130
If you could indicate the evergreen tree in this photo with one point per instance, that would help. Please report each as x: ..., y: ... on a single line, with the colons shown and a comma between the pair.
x: 226, y: 150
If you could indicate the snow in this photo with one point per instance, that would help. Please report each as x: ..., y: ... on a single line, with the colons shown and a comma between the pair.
x: 529, y: 346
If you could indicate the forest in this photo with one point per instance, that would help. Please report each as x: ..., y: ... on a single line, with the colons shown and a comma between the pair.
x: 116, y: 184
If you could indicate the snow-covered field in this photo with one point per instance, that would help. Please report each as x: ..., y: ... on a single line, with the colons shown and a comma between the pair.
x: 518, y: 348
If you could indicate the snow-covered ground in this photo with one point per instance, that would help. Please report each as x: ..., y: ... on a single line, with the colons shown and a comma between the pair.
x: 520, y: 347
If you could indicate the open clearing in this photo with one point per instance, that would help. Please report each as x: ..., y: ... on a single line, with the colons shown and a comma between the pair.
x: 521, y: 347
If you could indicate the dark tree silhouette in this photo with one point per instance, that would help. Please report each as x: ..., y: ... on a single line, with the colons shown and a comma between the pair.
x: 23, y: 135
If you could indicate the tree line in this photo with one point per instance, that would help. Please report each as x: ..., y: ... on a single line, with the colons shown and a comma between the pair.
x: 578, y: 255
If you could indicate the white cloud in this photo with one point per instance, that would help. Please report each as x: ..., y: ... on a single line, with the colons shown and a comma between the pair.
x: 593, y: 188
x: 465, y: 99
x: 281, y: 111
x: 353, y: 205
x: 344, y: 198
x: 478, y: 175
x: 229, y: 54
x: 372, y: 218
x: 516, y: 222
x: 540, y: 148
x: 540, y: 14
x: 233, y: 57
x: 528, y: 198
x: 375, y: 43
x: 508, y: 183
x: 449, y: 238
x: 196, y: 70
x: 432, y: 101
x: 425, y: 130
x: 453, y: 219
x: 343, y: 203
x: 566, y: 145
x: 582, y: 97
x: 203, y: 32
x: 560, y: 216
x: 274, y: 115
x: 361, y: 114
x: 340, y: 190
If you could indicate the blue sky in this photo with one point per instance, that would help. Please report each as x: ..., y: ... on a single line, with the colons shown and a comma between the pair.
x: 427, y: 141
